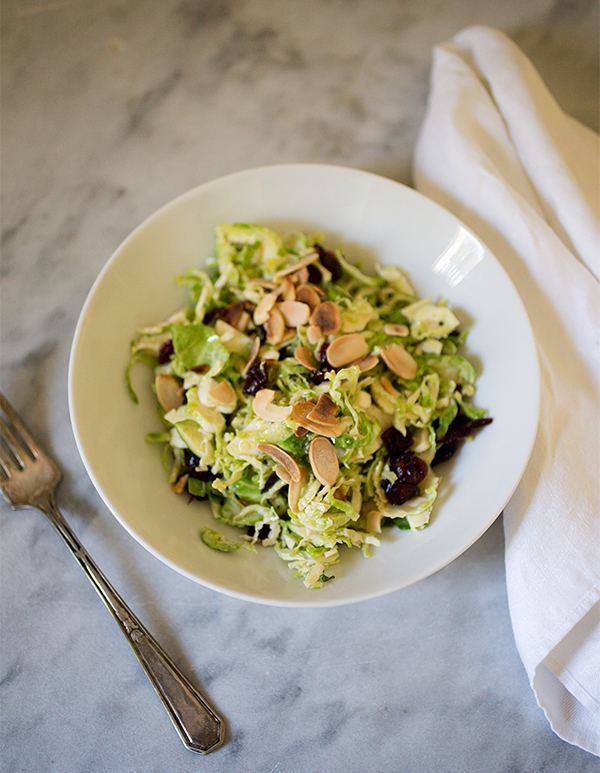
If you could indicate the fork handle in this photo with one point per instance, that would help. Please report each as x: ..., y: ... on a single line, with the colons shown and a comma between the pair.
x: 200, y: 729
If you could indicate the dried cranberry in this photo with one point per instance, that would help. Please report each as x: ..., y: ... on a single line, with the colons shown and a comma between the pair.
x: 445, y: 452
x: 318, y: 376
x: 257, y: 378
x: 214, y: 314
x: 191, y: 464
x: 409, y: 468
x: 395, y: 441
x: 328, y: 260
x: 398, y: 493
x: 263, y: 532
x: 166, y: 352
x: 272, y: 479
x: 463, y: 427
x: 230, y: 314
x: 315, y: 277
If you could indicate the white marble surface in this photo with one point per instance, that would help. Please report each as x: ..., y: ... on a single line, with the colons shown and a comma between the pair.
x: 109, y: 109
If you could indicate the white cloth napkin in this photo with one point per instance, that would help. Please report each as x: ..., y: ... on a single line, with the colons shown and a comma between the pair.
x: 497, y: 151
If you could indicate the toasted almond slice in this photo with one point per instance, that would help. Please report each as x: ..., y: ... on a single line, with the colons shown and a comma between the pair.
x: 312, y: 257
x: 399, y: 361
x: 301, y: 276
x: 180, y: 484
x: 275, y: 326
x: 313, y: 334
x: 294, y: 486
x: 295, y: 490
x: 304, y: 357
x: 201, y: 369
x: 324, y: 411
x: 282, y: 473
x: 389, y: 387
x: 253, y: 355
x: 300, y: 411
x: 346, y: 349
x: 168, y: 392
x: 327, y: 316
x: 322, y: 429
x: 222, y: 393
x: 285, y: 460
x: 339, y: 494
x: 286, y: 289
x: 294, y: 313
x: 266, y: 283
x: 300, y: 431
x: 395, y: 330
x: 263, y: 408
x: 242, y: 322
x: 308, y: 294
x: 374, y: 521
x: 263, y: 308
x: 323, y: 460
x: 233, y: 312
x: 367, y: 362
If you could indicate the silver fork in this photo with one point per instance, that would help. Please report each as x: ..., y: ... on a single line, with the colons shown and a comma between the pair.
x: 28, y: 479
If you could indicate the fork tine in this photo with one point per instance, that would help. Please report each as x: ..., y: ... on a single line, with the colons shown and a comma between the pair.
x: 25, y: 439
x: 12, y: 444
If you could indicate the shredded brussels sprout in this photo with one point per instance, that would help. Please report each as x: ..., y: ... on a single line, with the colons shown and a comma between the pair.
x: 307, y: 400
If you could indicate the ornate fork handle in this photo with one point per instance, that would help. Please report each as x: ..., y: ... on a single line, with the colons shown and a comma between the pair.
x: 199, y: 727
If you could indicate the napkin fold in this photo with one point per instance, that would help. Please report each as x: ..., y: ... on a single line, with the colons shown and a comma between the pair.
x: 497, y: 151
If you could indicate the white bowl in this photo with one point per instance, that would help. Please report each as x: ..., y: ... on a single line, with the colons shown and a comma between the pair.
x: 366, y: 215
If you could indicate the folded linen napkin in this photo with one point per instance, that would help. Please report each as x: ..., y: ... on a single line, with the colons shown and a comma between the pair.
x: 497, y: 151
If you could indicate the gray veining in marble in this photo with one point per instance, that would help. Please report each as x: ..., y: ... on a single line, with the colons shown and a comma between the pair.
x: 109, y: 109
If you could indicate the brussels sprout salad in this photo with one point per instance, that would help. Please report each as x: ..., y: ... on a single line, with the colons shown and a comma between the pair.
x: 307, y: 401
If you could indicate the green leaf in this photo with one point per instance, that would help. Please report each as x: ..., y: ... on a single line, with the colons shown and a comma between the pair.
x: 140, y: 356
x: 217, y: 541
x: 197, y: 345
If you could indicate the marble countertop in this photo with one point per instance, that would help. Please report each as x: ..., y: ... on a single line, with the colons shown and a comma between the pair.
x: 109, y: 109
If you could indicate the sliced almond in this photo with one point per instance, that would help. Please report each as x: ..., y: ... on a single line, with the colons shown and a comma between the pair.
x: 294, y: 313
x: 275, y: 327
x: 263, y: 308
x: 286, y: 289
x: 312, y: 257
x: 346, y: 349
x: 264, y: 409
x: 305, y: 357
x: 308, y: 295
x: 294, y: 486
x: 253, y: 355
x: 327, y: 316
x: 300, y: 431
x: 168, y: 392
x: 221, y: 394
x: 324, y: 461
x: 367, y: 362
x: 395, y: 330
x: 374, y: 521
x: 301, y: 276
x: 243, y: 321
x: 389, y: 387
x: 285, y: 460
x: 233, y: 312
x: 300, y: 411
x: 399, y: 361
x: 339, y: 494
x: 313, y: 334
x: 201, y: 369
x: 180, y: 484
x: 324, y: 411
